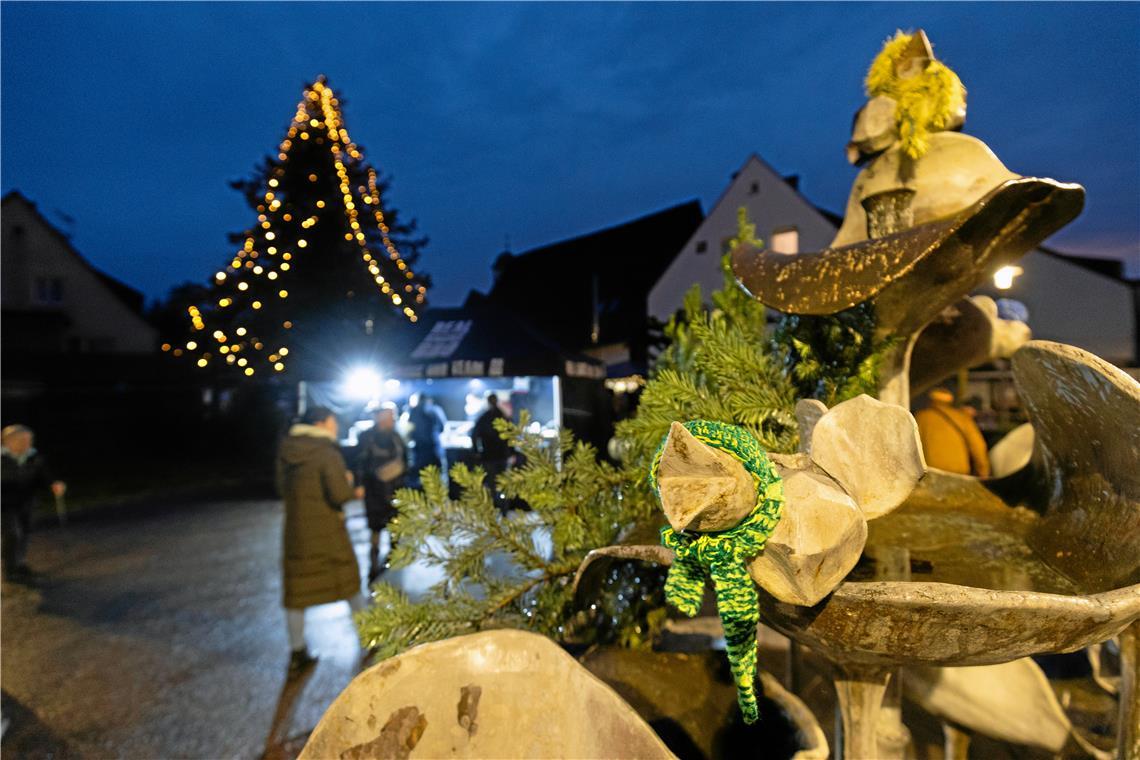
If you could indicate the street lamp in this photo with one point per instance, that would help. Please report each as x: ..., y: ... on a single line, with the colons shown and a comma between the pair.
x: 1003, y: 278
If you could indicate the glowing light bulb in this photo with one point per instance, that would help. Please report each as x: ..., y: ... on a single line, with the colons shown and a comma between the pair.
x: 1003, y: 278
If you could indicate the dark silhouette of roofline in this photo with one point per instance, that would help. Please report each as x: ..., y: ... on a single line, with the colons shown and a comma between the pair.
x: 130, y: 297
x: 605, y: 231
x: 1110, y: 268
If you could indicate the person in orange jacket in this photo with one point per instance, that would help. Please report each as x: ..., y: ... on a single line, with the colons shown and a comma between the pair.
x: 951, y: 439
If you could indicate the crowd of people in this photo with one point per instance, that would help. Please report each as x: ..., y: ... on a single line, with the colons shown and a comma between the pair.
x: 316, y: 482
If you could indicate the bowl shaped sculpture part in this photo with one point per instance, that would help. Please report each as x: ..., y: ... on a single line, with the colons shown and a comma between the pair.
x: 1086, y: 416
x: 493, y: 694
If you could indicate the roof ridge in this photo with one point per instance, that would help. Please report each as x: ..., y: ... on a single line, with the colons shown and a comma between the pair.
x: 595, y: 233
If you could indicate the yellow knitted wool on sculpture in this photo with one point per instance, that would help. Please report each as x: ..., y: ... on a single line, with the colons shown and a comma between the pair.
x: 926, y: 102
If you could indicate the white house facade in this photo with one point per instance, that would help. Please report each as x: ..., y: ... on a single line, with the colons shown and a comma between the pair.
x: 53, y: 301
x: 1070, y: 301
x: 784, y: 219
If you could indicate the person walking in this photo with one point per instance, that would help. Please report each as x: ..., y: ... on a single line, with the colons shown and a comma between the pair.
x: 491, y: 451
x: 319, y: 563
x: 428, y: 423
x: 380, y: 467
x: 23, y: 475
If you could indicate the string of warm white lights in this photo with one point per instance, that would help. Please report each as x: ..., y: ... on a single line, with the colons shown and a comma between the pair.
x: 319, y: 112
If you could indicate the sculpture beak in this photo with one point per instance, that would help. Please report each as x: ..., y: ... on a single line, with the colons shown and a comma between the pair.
x: 702, y: 488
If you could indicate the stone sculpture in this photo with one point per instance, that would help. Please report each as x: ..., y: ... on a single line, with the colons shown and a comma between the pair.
x: 931, y: 215
x: 490, y: 694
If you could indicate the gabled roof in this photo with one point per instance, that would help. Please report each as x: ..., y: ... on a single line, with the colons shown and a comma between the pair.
x: 628, y: 236
x: 131, y: 298
x: 558, y: 287
x: 1112, y: 268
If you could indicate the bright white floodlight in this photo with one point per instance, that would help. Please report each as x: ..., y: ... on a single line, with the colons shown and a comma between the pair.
x: 363, y: 383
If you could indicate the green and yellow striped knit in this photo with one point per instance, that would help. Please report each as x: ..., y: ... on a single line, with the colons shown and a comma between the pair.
x: 723, y: 556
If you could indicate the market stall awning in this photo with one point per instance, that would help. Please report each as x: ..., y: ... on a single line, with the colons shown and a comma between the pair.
x: 481, y: 339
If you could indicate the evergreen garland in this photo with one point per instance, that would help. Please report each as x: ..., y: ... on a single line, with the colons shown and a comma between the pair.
x: 719, y: 366
x: 513, y: 570
x: 831, y: 358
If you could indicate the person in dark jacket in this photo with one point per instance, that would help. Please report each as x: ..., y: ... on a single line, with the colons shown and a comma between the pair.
x: 318, y: 559
x: 380, y: 466
x: 428, y: 423
x: 24, y: 475
x: 491, y: 451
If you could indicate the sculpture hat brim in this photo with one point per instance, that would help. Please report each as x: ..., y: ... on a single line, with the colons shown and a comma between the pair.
x: 951, y: 254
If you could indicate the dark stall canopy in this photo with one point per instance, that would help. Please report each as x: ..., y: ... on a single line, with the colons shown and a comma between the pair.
x: 481, y: 339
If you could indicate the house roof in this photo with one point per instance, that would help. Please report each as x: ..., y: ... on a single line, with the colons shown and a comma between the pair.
x: 560, y: 287
x: 1112, y: 268
x: 131, y: 298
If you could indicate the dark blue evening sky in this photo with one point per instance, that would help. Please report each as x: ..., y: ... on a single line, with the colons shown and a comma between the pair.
x: 534, y: 121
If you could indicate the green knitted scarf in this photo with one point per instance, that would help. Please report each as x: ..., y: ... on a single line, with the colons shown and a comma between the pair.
x: 723, y: 556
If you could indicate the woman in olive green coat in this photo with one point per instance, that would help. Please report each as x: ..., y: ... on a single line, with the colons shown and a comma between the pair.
x: 318, y: 558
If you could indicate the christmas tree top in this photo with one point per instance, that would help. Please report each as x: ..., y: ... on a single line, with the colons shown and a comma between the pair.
x: 320, y: 268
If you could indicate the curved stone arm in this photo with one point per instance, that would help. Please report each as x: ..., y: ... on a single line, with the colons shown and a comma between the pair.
x: 966, y: 334
x: 892, y: 623
x: 652, y: 553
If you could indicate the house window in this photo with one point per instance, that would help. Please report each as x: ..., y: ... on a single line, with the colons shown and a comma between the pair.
x: 755, y: 189
x: 786, y: 240
x: 49, y: 290
x: 702, y: 246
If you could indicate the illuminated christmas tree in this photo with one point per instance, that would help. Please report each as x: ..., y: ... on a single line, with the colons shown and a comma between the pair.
x: 325, y: 269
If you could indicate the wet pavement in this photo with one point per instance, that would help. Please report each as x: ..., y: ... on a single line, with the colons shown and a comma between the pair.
x: 162, y: 635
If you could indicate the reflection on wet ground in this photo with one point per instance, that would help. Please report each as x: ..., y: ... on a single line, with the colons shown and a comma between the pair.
x: 163, y: 636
